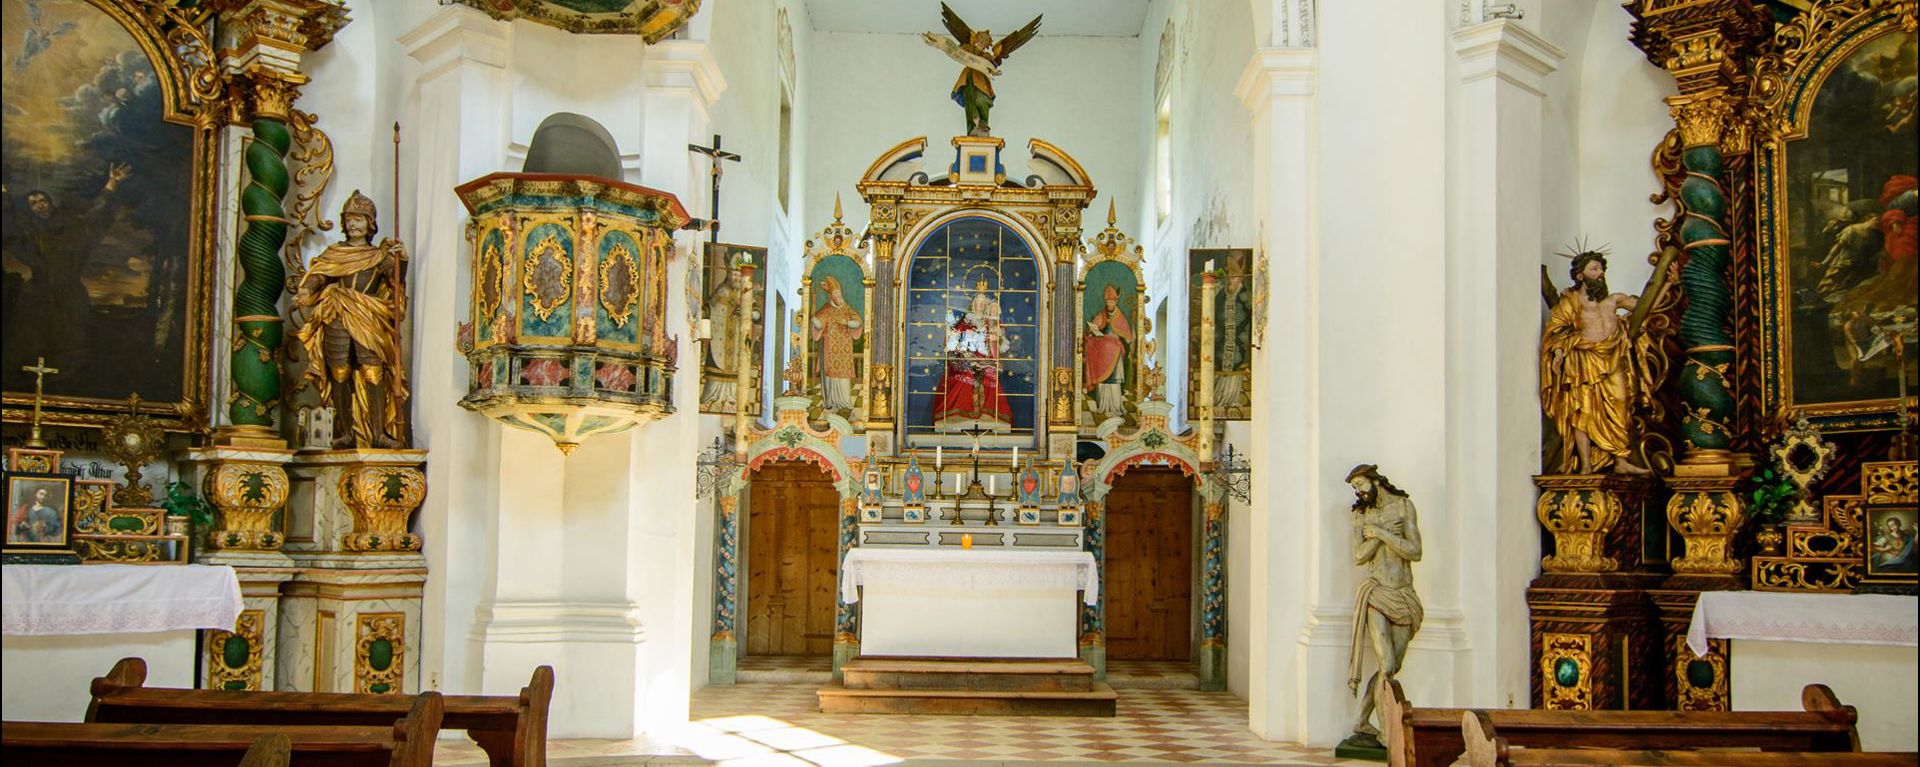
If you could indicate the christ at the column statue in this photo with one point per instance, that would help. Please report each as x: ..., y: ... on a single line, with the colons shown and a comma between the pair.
x: 970, y: 393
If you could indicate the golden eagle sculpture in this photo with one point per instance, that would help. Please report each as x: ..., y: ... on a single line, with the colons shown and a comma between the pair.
x: 980, y: 56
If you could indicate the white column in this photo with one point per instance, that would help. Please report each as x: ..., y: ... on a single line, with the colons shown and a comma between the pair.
x: 458, y: 127
x: 1278, y: 87
x: 1492, y: 333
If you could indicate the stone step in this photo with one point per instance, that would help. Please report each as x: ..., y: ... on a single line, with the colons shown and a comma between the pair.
x: 1099, y: 701
x: 984, y: 674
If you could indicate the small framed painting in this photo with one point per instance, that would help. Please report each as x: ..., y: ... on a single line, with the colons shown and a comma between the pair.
x: 39, y: 519
x: 913, y: 515
x: 1890, y: 565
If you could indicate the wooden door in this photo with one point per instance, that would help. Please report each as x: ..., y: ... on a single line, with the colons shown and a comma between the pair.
x: 1149, y: 568
x: 793, y: 541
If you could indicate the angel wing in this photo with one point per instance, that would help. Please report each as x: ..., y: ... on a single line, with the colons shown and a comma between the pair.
x: 955, y: 26
x: 1014, y: 40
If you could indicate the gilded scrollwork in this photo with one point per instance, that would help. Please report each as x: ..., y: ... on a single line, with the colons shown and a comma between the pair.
x: 1706, y: 515
x: 548, y: 276
x: 1566, y: 666
x: 247, y: 494
x: 233, y: 657
x: 379, y: 653
x: 619, y: 285
x: 1579, y: 519
x: 382, y: 498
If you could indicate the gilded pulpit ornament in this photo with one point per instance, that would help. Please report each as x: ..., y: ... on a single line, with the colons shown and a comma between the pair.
x: 654, y: 20
x: 980, y: 56
x: 1594, y: 371
x: 1386, y: 611
x: 133, y: 440
x: 355, y: 298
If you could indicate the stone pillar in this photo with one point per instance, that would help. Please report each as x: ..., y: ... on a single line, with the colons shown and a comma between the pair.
x: 1493, y: 336
x: 1278, y: 89
x: 462, y: 90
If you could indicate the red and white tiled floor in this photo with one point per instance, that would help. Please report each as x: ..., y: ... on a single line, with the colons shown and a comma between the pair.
x: 779, y: 725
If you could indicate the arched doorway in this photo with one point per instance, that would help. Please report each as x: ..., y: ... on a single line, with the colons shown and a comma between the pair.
x: 793, y: 543
x: 1150, y: 571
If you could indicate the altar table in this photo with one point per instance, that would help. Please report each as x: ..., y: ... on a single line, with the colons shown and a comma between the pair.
x: 1859, y: 645
x: 978, y: 603
x: 66, y: 624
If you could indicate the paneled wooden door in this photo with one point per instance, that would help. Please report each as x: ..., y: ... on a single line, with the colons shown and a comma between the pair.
x: 793, y: 539
x: 1149, y: 568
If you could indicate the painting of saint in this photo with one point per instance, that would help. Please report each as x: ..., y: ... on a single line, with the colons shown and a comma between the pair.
x: 1232, y: 329
x: 96, y: 191
x: 1110, y: 341
x: 37, y: 511
x: 1890, y: 535
x: 836, y: 332
x: 726, y: 292
x: 1853, y: 232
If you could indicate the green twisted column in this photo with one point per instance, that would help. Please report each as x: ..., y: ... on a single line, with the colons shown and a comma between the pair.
x: 256, y: 301
x: 1703, y: 324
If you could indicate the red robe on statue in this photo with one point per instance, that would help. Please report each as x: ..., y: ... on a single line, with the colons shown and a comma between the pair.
x: 970, y: 393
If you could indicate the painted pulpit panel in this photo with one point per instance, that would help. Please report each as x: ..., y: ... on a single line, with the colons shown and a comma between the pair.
x: 1843, y: 268
x: 1110, y: 313
x: 101, y: 233
x: 973, y: 305
x: 1232, y: 330
x: 837, y: 333
x: 725, y: 292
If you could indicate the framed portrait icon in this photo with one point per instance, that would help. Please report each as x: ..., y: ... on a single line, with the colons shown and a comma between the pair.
x: 39, y: 528
x: 1889, y: 566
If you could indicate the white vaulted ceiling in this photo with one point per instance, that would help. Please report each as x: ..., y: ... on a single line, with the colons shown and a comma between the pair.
x: 1087, y: 18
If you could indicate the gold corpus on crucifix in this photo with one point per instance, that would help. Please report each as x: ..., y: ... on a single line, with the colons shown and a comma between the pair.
x: 133, y: 440
x: 40, y: 372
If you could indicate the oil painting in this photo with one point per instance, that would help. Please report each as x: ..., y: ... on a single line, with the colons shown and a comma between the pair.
x: 724, y: 293
x: 837, y: 333
x: 99, y: 210
x: 1232, y: 330
x: 38, y: 511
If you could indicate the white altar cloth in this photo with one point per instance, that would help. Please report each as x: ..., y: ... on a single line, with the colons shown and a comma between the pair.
x: 65, y: 625
x: 1823, y: 618
x: 45, y: 600
x: 1782, y: 642
x: 978, y: 603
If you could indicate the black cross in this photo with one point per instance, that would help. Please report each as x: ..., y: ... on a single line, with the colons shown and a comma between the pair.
x: 714, y: 155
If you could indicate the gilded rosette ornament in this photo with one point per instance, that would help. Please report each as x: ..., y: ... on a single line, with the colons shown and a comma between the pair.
x: 382, y: 499
x: 247, y: 494
x: 1706, y: 513
x: 1579, y: 511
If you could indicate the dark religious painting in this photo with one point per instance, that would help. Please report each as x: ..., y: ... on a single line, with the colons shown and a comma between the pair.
x: 1232, y: 331
x: 721, y: 300
x: 1848, y: 279
x: 99, y: 211
x: 972, y: 336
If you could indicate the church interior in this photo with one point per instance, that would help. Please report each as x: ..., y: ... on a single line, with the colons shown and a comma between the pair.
x: 739, y: 382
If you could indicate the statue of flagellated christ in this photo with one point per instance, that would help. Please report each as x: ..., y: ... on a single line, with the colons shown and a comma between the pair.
x: 970, y: 393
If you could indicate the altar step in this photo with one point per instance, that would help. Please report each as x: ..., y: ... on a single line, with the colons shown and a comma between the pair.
x: 968, y: 687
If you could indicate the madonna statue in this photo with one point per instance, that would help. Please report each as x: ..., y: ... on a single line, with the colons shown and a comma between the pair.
x: 970, y: 393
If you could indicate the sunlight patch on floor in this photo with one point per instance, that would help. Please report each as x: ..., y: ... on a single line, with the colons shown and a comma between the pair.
x: 763, y: 741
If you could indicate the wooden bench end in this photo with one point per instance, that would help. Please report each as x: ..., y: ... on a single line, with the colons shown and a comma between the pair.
x: 274, y: 750
x: 1485, y: 748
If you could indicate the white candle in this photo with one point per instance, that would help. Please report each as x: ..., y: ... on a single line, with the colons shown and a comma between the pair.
x: 939, y: 453
x: 1016, y: 456
x: 990, y: 479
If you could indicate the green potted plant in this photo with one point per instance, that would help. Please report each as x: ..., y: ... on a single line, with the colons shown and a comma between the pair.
x: 1773, y: 494
x: 185, y: 509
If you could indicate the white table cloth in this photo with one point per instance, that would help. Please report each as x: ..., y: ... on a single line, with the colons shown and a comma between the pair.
x: 65, y: 600
x: 1879, y: 619
x: 978, y: 603
x: 975, y: 569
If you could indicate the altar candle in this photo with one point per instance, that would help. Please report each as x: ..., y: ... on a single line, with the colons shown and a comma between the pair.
x: 939, y: 454
x: 1016, y: 456
x: 966, y: 540
x: 990, y: 479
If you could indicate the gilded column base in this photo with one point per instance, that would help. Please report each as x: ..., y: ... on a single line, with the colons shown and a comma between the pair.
x: 1707, y: 513
x: 355, y: 500
x: 1596, y: 642
x: 1594, y: 520
x: 247, y: 488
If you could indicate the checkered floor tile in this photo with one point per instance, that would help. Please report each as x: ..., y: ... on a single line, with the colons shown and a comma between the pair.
x: 748, y: 725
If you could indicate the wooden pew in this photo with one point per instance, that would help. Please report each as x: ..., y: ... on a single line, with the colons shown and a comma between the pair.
x: 1431, y: 737
x: 511, y: 730
x: 1487, y: 748
x: 271, y: 751
x: 405, y: 742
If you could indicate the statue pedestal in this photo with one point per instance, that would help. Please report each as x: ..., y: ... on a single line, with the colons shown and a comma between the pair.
x: 1593, y: 627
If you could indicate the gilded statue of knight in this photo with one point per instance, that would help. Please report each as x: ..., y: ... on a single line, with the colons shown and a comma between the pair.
x: 355, y: 297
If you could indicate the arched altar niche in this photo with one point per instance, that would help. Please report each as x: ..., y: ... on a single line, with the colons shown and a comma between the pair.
x: 973, y: 282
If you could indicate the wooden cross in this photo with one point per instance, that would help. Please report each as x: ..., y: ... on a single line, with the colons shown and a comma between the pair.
x: 40, y: 372
x: 714, y: 156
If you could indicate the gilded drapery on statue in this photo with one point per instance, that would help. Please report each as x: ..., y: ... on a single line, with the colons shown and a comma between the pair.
x: 354, y: 296
x: 1593, y: 372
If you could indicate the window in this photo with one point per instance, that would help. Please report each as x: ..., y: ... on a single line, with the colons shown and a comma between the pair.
x: 786, y: 148
x: 1163, y: 162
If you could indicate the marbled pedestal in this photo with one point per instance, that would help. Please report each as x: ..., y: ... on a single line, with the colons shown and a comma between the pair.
x: 350, y: 622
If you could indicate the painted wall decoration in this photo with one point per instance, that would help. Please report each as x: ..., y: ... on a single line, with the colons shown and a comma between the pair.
x: 973, y: 340
x: 107, y: 223
x: 720, y: 354
x: 1232, y: 330
x: 837, y: 332
x: 1840, y: 257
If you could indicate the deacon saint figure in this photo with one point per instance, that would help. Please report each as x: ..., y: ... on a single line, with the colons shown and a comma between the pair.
x: 355, y: 296
x: 1593, y: 371
x: 1386, y: 611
